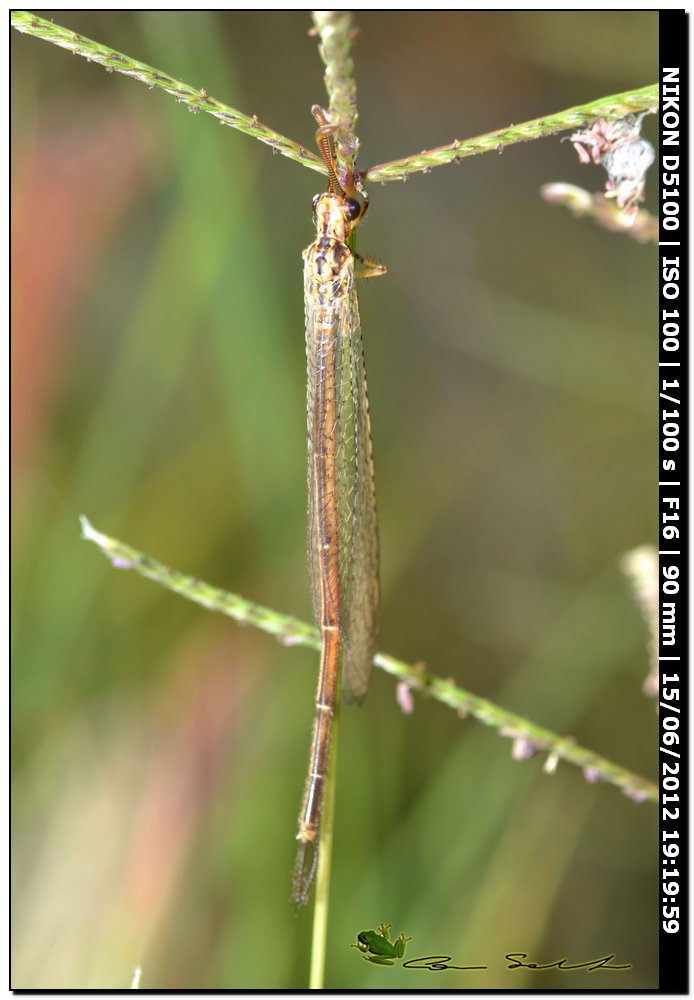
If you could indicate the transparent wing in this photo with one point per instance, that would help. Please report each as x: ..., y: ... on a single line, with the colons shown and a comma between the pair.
x: 357, y: 512
x: 337, y: 373
x: 312, y: 363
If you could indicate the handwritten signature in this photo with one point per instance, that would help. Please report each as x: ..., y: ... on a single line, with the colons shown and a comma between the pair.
x: 435, y: 963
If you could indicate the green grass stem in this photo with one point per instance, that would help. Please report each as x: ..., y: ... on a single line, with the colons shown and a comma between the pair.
x: 196, y: 99
x: 319, y: 938
x: 616, y: 106
x: 335, y: 31
x: 528, y: 738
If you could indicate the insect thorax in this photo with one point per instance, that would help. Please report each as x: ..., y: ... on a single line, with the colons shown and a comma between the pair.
x: 329, y: 268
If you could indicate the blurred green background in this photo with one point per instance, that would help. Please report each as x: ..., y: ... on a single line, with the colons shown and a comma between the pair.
x: 159, y: 751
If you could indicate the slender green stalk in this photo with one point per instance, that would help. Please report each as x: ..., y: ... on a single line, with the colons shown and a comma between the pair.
x: 335, y: 30
x: 616, y: 106
x: 528, y: 738
x: 319, y: 937
x: 642, y: 226
x: 195, y: 98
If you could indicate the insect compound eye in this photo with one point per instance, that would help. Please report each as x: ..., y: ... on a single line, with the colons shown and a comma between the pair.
x: 314, y: 204
x: 353, y: 209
